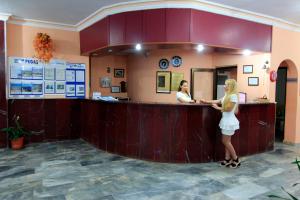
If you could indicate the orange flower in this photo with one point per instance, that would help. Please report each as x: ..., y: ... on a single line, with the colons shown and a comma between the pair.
x: 43, y: 47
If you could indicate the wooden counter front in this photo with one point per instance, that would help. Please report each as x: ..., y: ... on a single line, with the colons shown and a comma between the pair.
x: 173, y: 132
x: 150, y: 131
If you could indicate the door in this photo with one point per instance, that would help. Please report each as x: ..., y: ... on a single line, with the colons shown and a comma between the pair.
x: 281, y: 103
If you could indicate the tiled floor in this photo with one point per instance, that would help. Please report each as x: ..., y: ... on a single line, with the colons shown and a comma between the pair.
x: 76, y: 170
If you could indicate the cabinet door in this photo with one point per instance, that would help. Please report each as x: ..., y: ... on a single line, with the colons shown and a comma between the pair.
x: 154, y: 25
x: 117, y: 29
x: 133, y: 29
x: 178, y: 25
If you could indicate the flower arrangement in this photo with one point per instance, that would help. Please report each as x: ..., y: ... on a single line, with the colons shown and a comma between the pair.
x: 43, y: 46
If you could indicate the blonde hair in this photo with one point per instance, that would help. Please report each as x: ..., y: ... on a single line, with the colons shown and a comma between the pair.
x: 232, y: 89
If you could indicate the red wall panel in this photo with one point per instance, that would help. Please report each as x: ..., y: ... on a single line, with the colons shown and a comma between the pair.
x: 178, y: 25
x: 220, y: 30
x: 117, y: 29
x: 134, y: 28
x: 154, y: 25
x: 3, y: 101
x: 95, y: 36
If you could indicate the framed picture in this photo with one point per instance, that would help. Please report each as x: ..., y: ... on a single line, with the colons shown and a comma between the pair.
x: 242, y: 97
x: 119, y: 73
x: 115, y: 89
x: 105, y: 82
x: 247, y: 69
x: 163, y: 82
x: 253, y: 81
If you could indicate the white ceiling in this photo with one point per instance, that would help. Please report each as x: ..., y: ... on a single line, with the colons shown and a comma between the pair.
x: 72, y: 12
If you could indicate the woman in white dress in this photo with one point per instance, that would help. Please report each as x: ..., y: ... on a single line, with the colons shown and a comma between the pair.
x: 183, y: 95
x: 229, y: 123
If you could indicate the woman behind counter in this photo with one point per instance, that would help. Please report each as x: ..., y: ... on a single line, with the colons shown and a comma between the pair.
x: 183, y: 95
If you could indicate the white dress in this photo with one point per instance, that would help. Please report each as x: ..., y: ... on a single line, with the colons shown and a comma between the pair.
x: 186, y: 97
x: 229, y: 123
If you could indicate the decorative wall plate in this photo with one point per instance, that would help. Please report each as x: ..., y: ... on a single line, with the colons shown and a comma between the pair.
x: 163, y: 63
x: 176, y: 61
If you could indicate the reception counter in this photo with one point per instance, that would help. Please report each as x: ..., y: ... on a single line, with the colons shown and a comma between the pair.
x: 173, y: 132
x: 160, y: 132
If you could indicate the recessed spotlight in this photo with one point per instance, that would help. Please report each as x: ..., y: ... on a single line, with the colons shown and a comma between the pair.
x: 200, y: 47
x: 247, y: 52
x: 138, y: 47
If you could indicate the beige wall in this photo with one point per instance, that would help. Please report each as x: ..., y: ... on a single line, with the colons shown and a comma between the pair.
x: 286, y: 47
x: 257, y: 61
x: 66, y: 43
x: 142, y: 72
x: 98, y: 70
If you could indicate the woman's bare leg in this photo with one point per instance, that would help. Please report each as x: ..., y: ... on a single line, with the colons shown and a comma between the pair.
x: 226, y: 140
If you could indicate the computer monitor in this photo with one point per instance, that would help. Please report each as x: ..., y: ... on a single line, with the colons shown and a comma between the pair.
x: 242, y: 97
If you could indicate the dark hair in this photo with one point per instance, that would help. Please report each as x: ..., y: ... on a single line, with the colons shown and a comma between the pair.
x: 181, y: 83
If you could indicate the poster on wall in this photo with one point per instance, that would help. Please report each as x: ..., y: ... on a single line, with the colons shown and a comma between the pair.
x: 37, y: 87
x: 31, y: 78
x: 70, y: 90
x: 25, y: 78
x: 70, y: 75
x: 49, y: 87
x: 75, y: 80
x: 60, y: 87
x: 80, y: 91
x: 49, y: 73
x: 176, y: 79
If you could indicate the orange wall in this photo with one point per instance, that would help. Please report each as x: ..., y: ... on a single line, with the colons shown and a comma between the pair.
x: 257, y: 61
x: 286, y: 47
x: 66, y: 43
x: 142, y: 72
x: 98, y: 70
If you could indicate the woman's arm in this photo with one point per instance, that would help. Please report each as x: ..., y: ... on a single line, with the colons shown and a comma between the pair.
x: 184, y: 100
x: 229, y: 107
x: 218, y: 101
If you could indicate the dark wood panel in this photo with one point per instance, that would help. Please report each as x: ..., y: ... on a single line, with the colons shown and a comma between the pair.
x: 3, y: 101
x: 178, y: 23
x: 220, y: 30
x: 154, y: 25
x: 169, y: 133
x: 117, y: 29
x: 95, y: 36
x: 173, y: 25
x: 134, y: 27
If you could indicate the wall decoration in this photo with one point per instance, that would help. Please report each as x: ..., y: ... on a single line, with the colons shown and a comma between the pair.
x: 247, y: 69
x: 32, y: 78
x: 115, y: 89
x: 105, y: 82
x: 49, y: 87
x: 163, y: 63
x: 43, y: 47
x: 119, y: 73
x: 273, y: 76
x: 176, y: 61
x: 253, y: 81
x: 163, y: 82
x: 176, y: 78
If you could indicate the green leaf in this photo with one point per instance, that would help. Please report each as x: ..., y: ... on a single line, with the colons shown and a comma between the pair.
x: 294, y: 198
x: 278, y: 197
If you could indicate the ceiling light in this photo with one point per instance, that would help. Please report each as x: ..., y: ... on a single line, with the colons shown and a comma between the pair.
x: 247, y: 52
x: 138, y: 47
x: 200, y: 47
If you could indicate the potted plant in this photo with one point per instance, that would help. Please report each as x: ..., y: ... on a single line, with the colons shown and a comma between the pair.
x: 16, y: 134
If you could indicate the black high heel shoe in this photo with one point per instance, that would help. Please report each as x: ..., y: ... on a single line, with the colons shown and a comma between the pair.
x: 235, y: 163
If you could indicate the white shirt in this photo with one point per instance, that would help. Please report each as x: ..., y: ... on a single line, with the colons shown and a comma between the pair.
x: 184, y: 96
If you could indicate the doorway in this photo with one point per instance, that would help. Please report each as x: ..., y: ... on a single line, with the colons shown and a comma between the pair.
x: 281, y: 103
x: 222, y: 74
